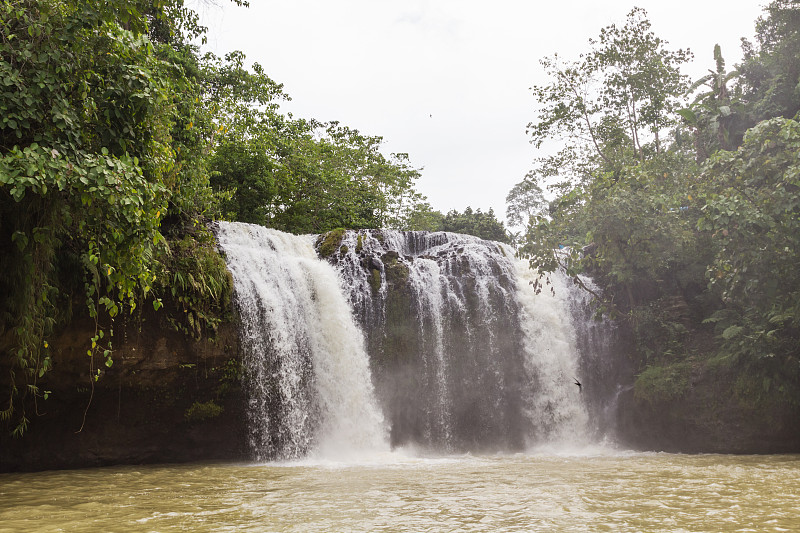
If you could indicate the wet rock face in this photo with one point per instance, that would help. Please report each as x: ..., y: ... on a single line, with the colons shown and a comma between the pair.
x: 440, y: 317
x: 166, y: 398
x: 714, y: 413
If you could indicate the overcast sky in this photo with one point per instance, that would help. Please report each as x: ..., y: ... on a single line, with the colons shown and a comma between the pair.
x: 447, y: 81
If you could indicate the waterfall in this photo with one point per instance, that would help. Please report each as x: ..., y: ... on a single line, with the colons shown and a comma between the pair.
x: 556, y: 408
x: 307, y: 376
x: 433, y: 340
x: 466, y: 355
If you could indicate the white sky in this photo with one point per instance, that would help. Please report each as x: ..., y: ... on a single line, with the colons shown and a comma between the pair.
x: 447, y: 81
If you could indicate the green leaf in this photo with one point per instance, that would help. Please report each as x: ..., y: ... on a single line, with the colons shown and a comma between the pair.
x: 21, y: 239
x: 731, y: 331
x: 688, y: 114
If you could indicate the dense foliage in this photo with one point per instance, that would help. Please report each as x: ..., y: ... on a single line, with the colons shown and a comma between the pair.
x: 470, y: 222
x: 301, y: 176
x: 86, y: 168
x: 483, y: 225
x: 683, y: 201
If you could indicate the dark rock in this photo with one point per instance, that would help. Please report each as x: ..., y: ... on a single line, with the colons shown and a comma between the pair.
x: 716, y: 410
x: 139, y: 406
x: 375, y: 264
x: 390, y: 256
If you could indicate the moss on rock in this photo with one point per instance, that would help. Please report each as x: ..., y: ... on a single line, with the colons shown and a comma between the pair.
x: 375, y: 281
x: 396, y: 271
x: 663, y: 384
x: 328, y: 243
x: 200, y: 411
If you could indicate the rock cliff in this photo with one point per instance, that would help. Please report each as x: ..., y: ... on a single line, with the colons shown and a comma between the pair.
x: 166, y: 398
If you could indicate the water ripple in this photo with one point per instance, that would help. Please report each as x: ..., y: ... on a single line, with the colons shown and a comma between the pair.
x: 616, y: 492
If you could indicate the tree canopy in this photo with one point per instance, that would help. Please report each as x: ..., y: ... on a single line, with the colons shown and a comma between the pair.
x: 297, y: 175
x: 483, y: 225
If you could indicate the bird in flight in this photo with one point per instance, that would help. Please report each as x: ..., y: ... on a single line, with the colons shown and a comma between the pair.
x: 578, y: 383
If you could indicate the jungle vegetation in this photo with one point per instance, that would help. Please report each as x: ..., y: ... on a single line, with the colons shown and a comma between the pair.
x: 680, y: 197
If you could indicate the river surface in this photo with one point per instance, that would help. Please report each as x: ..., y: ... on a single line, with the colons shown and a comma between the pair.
x: 603, y: 491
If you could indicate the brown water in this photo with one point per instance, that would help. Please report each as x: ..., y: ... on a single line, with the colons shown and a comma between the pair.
x: 607, y: 491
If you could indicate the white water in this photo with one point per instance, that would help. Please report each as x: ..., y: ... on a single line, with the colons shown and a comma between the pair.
x: 551, y: 355
x: 430, y: 289
x: 470, y: 358
x: 307, y: 372
x: 471, y: 300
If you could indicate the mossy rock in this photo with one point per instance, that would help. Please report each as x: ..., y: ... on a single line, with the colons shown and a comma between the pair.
x: 360, y: 244
x: 396, y: 271
x: 199, y: 287
x: 390, y: 257
x: 328, y: 243
x: 375, y: 281
x: 200, y: 411
x: 663, y: 384
x: 397, y: 274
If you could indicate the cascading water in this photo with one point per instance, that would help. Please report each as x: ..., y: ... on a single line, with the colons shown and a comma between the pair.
x: 307, y: 376
x: 463, y: 353
x: 466, y: 354
x: 556, y: 409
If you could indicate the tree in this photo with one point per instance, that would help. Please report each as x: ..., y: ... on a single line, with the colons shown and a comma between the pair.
x: 85, y: 169
x: 686, y: 219
x: 753, y: 212
x: 422, y: 217
x: 770, y: 71
x: 718, y: 115
x: 483, y: 225
x: 102, y: 143
x: 525, y: 200
x: 617, y: 100
x: 763, y: 86
x: 622, y: 187
x: 248, y: 136
x: 306, y: 176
